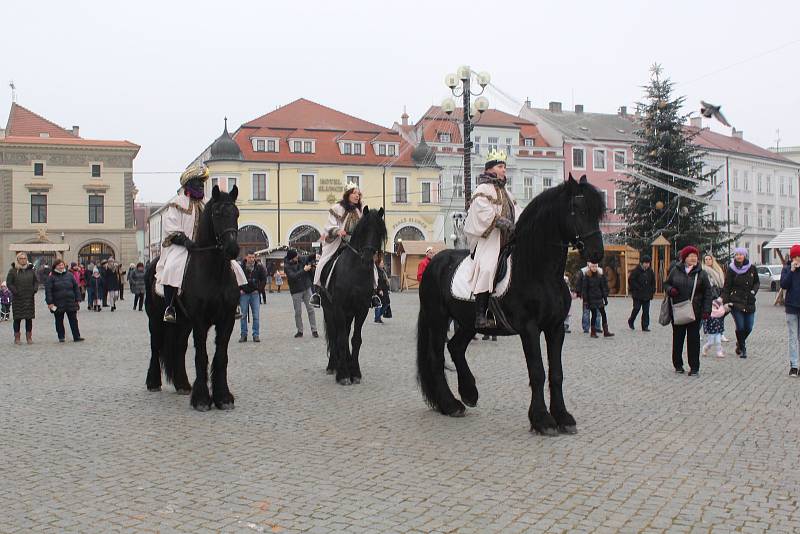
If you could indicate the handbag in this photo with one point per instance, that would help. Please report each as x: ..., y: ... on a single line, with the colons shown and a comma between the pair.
x: 665, y: 317
x: 683, y: 312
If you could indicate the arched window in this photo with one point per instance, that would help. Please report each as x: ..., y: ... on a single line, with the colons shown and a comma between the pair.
x: 303, y: 237
x: 251, y: 238
x: 409, y: 233
x: 95, y: 252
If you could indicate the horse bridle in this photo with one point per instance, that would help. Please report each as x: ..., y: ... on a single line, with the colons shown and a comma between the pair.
x: 359, y: 253
x: 578, y: 240
x: 218, y: 238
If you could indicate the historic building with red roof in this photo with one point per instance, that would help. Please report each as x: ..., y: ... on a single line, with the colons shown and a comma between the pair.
x: 62, y: 194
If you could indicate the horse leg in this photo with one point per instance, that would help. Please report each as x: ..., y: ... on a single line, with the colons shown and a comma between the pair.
x: 457, y: 346
x: 156, y: 344
x: 555, y: 342
x: 181, y: 380
x: 223, y: 398
x: 541, y: 420
x: 355, y: 368
x: 343, y: 352
x: 330, y: 338
x: 201, y: 400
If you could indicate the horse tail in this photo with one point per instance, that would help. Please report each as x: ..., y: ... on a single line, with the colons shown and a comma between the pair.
x: 425, y: 355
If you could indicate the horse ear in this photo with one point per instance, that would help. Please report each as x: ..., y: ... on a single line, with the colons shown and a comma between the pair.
x: 365, y: 211
x: 570, y: 179
x: 215, y: 192
x: 234, y: 193
x: 380, y: 213
x: 583, y: 180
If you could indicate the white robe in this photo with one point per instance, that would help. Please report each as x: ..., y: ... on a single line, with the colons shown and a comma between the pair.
x: 338, y: 219
x: 482, y: 235
x: 182, y: 215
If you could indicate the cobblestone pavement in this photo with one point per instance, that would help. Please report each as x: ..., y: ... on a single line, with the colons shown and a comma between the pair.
x: 85, y: 447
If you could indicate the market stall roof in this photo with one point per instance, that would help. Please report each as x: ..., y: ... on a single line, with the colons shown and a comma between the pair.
x: 419, y: 247
x: 785, y: 239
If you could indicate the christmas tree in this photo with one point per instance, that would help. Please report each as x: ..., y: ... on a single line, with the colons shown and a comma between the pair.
x: 667, y: 203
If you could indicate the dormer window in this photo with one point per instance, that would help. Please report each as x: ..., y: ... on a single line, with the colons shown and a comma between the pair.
x: 390, y: 149
x: 347, y: 148
x: 357, y: 149
x: 302, y: 146
x: 381, y: 149
x: 265, y: 144
x: 529, y: 142
x: 444, y: 137
x: 261, y: 145
x: 307, y: 147
x: 297, y: 146
x: 272, y: 145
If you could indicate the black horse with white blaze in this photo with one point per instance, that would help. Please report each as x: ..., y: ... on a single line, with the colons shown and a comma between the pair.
x: 210, y: 296
x: 346, y: 301
x: 537, y: 301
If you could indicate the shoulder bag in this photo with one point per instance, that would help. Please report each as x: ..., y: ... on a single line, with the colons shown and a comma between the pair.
x: 683, y: 312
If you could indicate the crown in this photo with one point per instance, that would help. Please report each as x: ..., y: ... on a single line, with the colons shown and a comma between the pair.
x: 496, y: 155
x: 350, y: 186
x: 199, y: 172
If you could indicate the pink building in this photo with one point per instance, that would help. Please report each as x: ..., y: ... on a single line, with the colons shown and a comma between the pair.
x: 595, y: 144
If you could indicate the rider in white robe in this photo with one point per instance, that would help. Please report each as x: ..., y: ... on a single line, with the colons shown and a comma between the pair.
x: 490, y: 223
x: 178, y: 228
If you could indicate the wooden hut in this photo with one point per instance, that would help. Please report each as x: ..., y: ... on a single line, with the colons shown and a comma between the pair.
x: 406, y: 258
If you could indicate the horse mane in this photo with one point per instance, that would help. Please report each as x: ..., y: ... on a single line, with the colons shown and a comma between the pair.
x: 540, y: 218
x: 366, y: 221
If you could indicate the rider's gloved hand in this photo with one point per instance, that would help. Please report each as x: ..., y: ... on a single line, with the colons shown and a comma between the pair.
x: 183, y: 240
x: 505, y: 224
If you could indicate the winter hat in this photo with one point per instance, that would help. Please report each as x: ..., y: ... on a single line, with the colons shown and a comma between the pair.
x: 646, y: 259
x: 688, y: 249
x: 291, y: 254
x: 741, y: 250
x: 794, y: 251
x: 96, y: 271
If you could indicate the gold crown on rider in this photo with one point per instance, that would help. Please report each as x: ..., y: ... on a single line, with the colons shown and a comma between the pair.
x: 350, y: 186
x: 496, y: 155
x: 199, y: 172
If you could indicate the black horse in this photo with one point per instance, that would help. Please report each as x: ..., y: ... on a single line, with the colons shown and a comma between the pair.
x: 348, y: 295
x: 537, y: 301
x: 210, y: 295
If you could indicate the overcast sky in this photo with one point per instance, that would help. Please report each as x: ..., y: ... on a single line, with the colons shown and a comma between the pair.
x: 164, y: 74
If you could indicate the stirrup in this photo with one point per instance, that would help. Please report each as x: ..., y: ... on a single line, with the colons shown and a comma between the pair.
x: 315, y: 300
x: 376, y: 302
x: 238, y: 313
x: 169, y: 315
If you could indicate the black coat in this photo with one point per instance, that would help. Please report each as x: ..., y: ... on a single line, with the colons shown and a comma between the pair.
x: 299, y: 279
x: 740, y: 289
x: 23, y: 284
x: 136, y: 282
x: 62, y: 290
x: 383, y: 286
x: 110, y: 279
x: 678, y: 278
x: 642, y: 283
x: 594, y: 290
x: 254, y: 278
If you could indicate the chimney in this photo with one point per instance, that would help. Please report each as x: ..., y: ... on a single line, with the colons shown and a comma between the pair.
x: 738, y: 134
x: 623, y: 111
x: 528, y: 103
x: 578, y: 108
x: 76, y: 130
x: 555, y: 107
x: 696, y: 122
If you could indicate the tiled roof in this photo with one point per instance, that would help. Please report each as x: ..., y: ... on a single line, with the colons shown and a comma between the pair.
x: 356, y: 136
x: 435, y: 121
x: 432, y: 128
x: 388, y: 136
x: 23, y: 122
x: 716, y: 141
x: 75, y: 141
x: 306, y: 114
x: 590, y: 126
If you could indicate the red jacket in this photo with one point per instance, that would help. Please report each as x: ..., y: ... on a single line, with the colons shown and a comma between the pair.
x: 422, y: 266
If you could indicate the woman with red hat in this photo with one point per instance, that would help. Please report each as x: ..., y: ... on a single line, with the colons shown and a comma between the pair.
x: 790, y: 283
x: 685, y: 281
x: 741, y: 286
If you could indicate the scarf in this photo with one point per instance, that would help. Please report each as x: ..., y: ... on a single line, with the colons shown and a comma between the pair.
x: 740, y: 269
x: 349, y: 206
x: 492, y: 178
x: 716, y: 278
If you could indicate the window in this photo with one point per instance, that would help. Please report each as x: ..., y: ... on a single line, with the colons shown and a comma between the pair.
x: 783, y: 219
x: 214, y: 183
x: 529, y: 142
x: 477, y: 144
x: 547, y: 180
x: 259, y: 186
x: 492, y: 143
x: 260, y: 145
x: 736, y: 213
x: 789, y: 187
x: 619, y: 200
x: 381, y: 150
x: 232, y: 183
x: 38, y: 169
x: 391, y: 149
x: 759, y: 187
x: 307, y: 193
x: 620, y: 159
x: 297, y: 146
x: 458, y: 186
x: 578, y: 158
x: 307, y: 147
x: 736, y: 179
x: 444, y: 137
x: 271, y: 146
x: 508, y: 145
x: 746, y: 181
x: 347, y: 148
x: 769, y: 184
x: 95, y: 170
x: 760, y: 217
x: 599, y: 159
x: 605, y: 196
x: 357, y: 149
x: 425, y: 198
x: 38, y: 208
x: 782, y: 186
x: 400, y: 189
x: 768, y: 218
x: 527, y: 187
x: 354, y: 179
x: 96, y: 211
x: 746, y: 216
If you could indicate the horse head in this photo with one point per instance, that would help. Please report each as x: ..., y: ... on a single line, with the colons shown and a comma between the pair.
x: 225, y: 221
x: 580, y: 224
x: 369, y: 235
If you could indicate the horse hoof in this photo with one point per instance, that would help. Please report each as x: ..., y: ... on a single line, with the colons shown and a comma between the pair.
x: 153, y: 388
x: 356, y: 380
x: 344, y: 382
x: 460, y: 412
x: 329, y: 371
x: 202, y: 407
x: 469, y: 403
x: 226, y: 406
x: 568, y: 429
x: 547, y: 431
x: 183, y: 391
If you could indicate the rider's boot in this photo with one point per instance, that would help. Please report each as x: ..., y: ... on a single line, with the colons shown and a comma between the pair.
x: 481, y: 304
x: 169, y: 297
x: 316, y: 299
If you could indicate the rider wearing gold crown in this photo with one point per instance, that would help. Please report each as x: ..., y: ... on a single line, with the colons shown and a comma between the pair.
x: 490, y: 223
x: 342, y: 219
x: 178, y: 227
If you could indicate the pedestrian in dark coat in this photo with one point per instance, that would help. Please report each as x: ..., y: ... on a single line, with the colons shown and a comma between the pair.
x: 641, y: 287
x: 790, y: 283
x: 384, y: 310
x: 111, y: 283
x: 95, y: 290
x: 679, y: 286
x: 22, y: 282
x: 137, y: 285
x: 63, y: 297
x: 741, y: 286
x: 594, y: 291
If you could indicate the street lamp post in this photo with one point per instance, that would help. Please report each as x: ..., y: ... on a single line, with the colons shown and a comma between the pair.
x: 481, y: 104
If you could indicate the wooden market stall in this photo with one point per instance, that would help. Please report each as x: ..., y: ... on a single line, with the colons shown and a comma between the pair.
x: 618, y: 262
x: 662, y: 259
x: 406, y: 258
